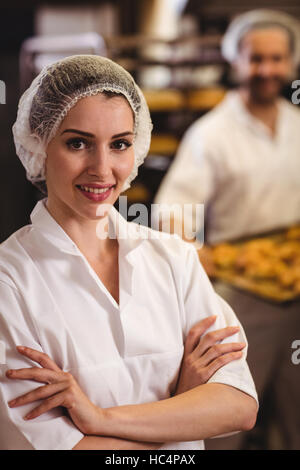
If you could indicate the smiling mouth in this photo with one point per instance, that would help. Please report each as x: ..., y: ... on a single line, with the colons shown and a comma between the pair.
x: 94, y: 190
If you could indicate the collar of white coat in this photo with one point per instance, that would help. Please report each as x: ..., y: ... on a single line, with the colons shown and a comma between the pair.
x: 129, y: 235
x: 234, y: 101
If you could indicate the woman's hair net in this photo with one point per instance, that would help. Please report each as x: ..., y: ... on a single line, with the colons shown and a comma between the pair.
x: 55, y: 91
x: 259, y: 19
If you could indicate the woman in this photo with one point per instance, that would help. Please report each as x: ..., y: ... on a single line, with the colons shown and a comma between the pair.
x: 114, y: 316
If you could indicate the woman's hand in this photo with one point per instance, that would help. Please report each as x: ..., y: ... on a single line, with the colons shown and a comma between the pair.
x: 203, y: 356
x: 61, y: 389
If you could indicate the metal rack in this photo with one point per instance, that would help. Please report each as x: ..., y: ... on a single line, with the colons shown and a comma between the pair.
x: 39, y: 51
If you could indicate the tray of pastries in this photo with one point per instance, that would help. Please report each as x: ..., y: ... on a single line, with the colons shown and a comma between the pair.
x: 268, y: 266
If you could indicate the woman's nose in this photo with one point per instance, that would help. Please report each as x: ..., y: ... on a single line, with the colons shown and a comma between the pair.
x: 99, y: 163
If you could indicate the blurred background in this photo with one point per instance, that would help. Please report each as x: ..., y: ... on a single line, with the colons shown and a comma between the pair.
x: 171, y: 47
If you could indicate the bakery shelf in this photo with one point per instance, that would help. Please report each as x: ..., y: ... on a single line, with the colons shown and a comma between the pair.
x: 163, y: 144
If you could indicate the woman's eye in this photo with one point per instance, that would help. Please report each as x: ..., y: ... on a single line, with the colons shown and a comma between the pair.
x: 121, y: 144
x: 76, y: 144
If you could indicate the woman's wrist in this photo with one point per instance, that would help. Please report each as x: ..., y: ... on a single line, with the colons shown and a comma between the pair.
x: 118, y: 421
x: 100, y: 425
x: 110, y: 427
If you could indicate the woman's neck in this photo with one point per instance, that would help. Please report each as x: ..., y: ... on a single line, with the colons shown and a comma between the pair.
x: 90, y: 236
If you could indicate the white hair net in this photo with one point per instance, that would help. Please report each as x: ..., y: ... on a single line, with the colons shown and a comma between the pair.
x: 55, y: 91
x: 256, y: 19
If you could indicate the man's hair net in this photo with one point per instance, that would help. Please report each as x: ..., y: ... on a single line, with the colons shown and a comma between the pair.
x: 260, y: 18
x: 55, y: 91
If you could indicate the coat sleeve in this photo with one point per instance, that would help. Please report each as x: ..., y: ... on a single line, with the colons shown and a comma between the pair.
x: 50, y: 431
x: 200, y: 301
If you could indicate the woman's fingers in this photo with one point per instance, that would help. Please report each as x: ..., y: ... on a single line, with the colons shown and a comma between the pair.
x: 205, y: 353
x: 219, y: 350
x: 37, y: 356
x: 196, y: 332
x: 38, y: 374
x: 221, y: 361
x: 62, y: 390
x: 48, y: 373
x: 59, y: 393
x: 212, y: 338
x: 38, y: 394
x: 47, y: 405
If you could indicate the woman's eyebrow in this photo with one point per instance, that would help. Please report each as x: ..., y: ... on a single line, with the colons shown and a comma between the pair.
x: 122, y: 134
x: 88, y: 134
x: 77, y: 131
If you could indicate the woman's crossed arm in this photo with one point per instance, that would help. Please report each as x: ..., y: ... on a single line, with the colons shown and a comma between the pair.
x: 198, y: 410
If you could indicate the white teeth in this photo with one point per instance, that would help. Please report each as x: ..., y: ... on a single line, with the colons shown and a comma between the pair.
x: 94, y: 190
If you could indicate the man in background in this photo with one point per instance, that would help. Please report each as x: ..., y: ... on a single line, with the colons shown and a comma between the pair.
x: 242, y: 161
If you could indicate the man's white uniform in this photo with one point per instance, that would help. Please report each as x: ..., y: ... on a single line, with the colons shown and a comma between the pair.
x: 248, y: 180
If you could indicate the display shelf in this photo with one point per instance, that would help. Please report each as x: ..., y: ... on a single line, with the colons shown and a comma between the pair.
x: 205, y: 99
x: 163, y: 144
x: 165, y: 100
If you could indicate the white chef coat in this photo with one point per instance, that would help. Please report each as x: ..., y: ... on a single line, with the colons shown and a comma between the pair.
x: 248, y: 180
x: 128, y: 353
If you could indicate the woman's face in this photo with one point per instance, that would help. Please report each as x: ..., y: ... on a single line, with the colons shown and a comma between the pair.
x: 91, y: 156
